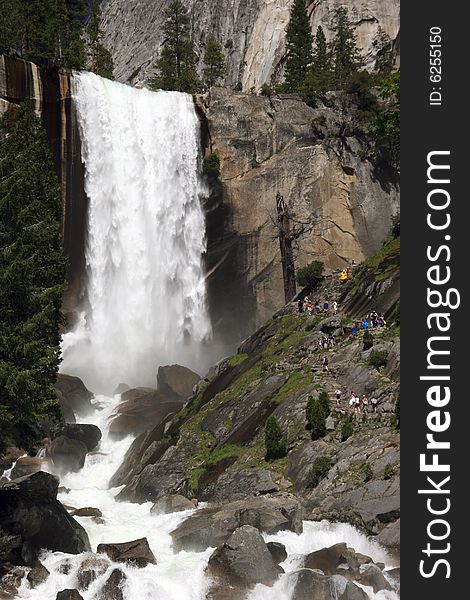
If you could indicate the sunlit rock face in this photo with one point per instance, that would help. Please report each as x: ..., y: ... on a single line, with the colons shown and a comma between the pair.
x: 252, y: 31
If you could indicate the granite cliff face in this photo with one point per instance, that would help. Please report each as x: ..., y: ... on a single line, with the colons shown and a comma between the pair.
x: 253, y: 32
x: 315, y: 159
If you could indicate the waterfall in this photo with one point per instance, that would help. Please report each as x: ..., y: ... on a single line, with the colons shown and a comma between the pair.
x: 145, y: 299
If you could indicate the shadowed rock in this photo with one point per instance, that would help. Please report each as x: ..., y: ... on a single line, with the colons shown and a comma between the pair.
x: 67, y: 454
x: 112, y: 589
x: 171, y: 504
x: 31, y: 511
x: 137, y: 552
x: 243, y: 561
x: 175, y: 379
x: 90, y: 435
x: 73, y: 394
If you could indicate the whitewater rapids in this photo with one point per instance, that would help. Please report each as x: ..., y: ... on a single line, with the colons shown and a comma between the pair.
x: 177, y: 576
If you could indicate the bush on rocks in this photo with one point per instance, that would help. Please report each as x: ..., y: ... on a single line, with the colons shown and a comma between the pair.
x: 276, y: 445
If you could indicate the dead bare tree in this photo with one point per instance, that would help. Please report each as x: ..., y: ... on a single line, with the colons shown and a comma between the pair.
x: 289, y: 230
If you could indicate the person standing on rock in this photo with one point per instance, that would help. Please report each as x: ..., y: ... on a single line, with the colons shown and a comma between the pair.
x: 357, y: 404
x: 338, y: 394
x: 374, y: 402
x: 324, y: 362
x: 335, y: 307
x: 300, y: 306
x: 365, y: 402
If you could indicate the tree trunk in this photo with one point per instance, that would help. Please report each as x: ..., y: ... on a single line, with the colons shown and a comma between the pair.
x: 287, y: 254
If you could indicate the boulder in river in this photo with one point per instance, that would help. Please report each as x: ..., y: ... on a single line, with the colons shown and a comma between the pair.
x: 213, y: 526
x: 27, y: 465
x: 372, y: 576
x: 171, y: 504
x: 67, y: 454
x: 87, y: 511
x: 142, y: 409
x: 31, y: 511
x: 112, y: 589
x: 278, y: 551
x: 137, y: 552
x: 90, y: 569
x: 243, y: 560
x: 73, y: 394
x: 37, y: 575
x: 89, y: 434
x: 177, y: 380
x: 9, y: 456
x: 69, y: 594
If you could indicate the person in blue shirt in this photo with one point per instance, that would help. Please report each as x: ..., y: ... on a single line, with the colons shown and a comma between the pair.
x: 365, y: 325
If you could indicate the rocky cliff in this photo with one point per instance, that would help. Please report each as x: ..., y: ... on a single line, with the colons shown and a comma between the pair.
x: 252, y: 31
x: 315, y: 157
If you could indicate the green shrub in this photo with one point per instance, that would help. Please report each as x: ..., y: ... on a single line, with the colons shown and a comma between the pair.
x: 318, y: 471
x: 378, y: 358
x: 325, y: 402
x: 311, y: 274
x: 367, y: 340
x: 389, y: 472
x: 211, y: 165
x: 275, y: 442
x: 316, y: 418
x: 266, y: 90
x: 347, y: 429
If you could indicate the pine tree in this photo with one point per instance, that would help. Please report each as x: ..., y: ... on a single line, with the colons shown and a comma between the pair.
x: 275, y: 442
x: 320, y: 74
x: 383, y: 49
x: 176, y: 67
x: 32, y: 276
x: 74, y: 53
x: 344, y: 52
x: 316, y: 417
x: 214, y: 61
x: 100, y: 58
x: 9, y: 26
x: 41, y: 25
x: 299, y: 44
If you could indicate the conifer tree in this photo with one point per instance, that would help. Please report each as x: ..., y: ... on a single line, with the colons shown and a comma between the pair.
x: 319, y: 77
x: 299, y: 43
x: 176, y: 66
x: 32, y: 279
x: 275, y: 442
x: 9, y: 26
x: 74, y: 53
x: 344, y: 52
x: 214, y: 61
x: 382, y: 46
x: 100, y: 58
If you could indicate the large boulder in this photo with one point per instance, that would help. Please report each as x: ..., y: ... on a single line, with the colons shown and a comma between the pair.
x: 136, y: 553
x: 243, y: 561
x: 90, y: 569
x: 175, y: 379
x: 37, y: 575
x: 27, y: 465
x: 372, y: 576
x: 142, y: 409
x: 87, y: 511
x: 240, y: 484
x: 312, y: 584
x: 67, y: 454
x: 90, y: 435
x: 211, y: 527
x: 112, y: 589
x: 326, y: 559
x: 171, y: 504
x: 69, y: 594
x: 278, y: 551
x: 31, y: 512
x: 353, y: 592
x: 73, y: 394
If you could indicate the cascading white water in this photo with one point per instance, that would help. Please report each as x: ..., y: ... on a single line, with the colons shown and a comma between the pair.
x: 145, y: 298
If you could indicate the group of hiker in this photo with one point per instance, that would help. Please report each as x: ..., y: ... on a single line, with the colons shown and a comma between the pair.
x: 371, y: 321
x: 316, y: 307
x: 356, y: 403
